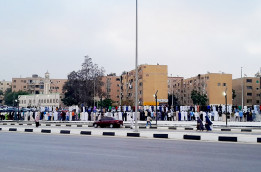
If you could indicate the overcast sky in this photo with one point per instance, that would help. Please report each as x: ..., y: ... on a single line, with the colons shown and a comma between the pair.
x: 190, y: 36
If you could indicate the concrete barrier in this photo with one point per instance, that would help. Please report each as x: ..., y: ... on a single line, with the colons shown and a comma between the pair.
x: 79, y: 125
x: 225, y: 129
x: 21, y: 124
x: 4, y: 123
x: 65, y: 132
x: 173, y: 128
x: 45, y: 131
x: 161, y: 136
x: 68, y: 125
x: 108, y: 133
x: 143, y: 127
x: 152, y: 127
x: 48, y: 125
x: 133, y: 134
x: 58, y: 125
x: 191, y: 137
x: 227, y: 139
x: 12, y: 124
x: 28, y: 130
x: 188, y: 128
x: 29, y: 124
x: 258, y: 140
x: 86, y: 133
x: 12, y: 129
x: 246, y: 130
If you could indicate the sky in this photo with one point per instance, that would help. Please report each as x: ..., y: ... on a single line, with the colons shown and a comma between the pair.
x: 190, y: 36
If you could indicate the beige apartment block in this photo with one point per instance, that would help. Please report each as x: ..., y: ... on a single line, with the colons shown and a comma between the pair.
x: 38, y: 85
x: 251, y: 91
x: 175, y: 85
x: 151, y: 78
x: 111, y: 87
x: 4, y: 85
x: 214, y: 85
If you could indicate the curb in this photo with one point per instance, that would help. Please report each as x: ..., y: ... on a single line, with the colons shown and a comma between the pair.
x: 45, y: 131
x: 161, y: 136
x: 65, y: 132
x: 28, y: 130
x: 86, y: 133
x: 12, y: 129
x: 191, y: 137
x: 227, y: 139
x: 225, y: 129
x: 108, y: 133
x: 133, y: 134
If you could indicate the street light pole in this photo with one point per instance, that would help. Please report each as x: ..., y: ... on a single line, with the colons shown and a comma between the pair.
x: 156, y: 99
x: 225, y: 93
x: 136, y: 67
x: 171, y: 91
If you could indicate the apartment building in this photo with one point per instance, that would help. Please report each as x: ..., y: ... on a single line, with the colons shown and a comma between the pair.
x: 4, y: 85
x: 112, y: 87
x: 38, y: 85
x: 251, y: 91
x: 175, y: 85
x: 151, y: 78
x: 214, y: 85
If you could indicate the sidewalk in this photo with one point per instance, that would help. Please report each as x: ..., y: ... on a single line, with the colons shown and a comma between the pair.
x: 178, y: 134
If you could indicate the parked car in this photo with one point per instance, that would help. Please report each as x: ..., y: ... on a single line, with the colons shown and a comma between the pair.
x: 108, y: 122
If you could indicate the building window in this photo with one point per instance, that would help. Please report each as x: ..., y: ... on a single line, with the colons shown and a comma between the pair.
x: 24, y: 101
x: 218, y: 84
x: 224, y: 84
x: 257, y: 101
x: 56, y: 100
x: 249, y: 100
x: 14, y: 86
x: 50, y: 100
x: 14, y: 80
x: 249, y: 80
x: 249, y: 94
x: 249, y: 87
x: 44, y: 100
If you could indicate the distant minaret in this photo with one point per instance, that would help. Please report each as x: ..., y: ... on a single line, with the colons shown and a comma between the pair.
x: 47, y: 83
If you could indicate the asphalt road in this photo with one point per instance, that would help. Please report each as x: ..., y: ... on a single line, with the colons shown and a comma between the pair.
x: 25, y: 152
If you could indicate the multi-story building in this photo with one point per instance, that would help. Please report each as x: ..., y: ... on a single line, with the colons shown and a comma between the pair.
x: 214, y: 85
x: 112, y: 87
x: 175, y: 86
x: 42, y: 91
x: 151, y: 78
x: 251, y: 91
x: 38, y: 85
x: 4, y: 85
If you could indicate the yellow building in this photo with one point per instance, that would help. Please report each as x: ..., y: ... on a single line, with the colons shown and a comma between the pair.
x: 150, y: 79
x: 212, y: 84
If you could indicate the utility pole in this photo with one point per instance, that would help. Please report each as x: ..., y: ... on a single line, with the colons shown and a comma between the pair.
x: 136, y: 75
x: 242, y: 84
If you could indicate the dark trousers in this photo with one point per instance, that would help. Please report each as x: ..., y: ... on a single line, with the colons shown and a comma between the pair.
x: 37, y: 124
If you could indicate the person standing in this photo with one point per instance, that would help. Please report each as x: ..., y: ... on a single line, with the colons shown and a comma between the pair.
x: 37, y: 118
x: 208, y: 123
x: 149, y: 119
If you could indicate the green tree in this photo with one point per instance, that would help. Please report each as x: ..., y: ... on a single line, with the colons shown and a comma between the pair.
x: 1, y: 93
x: 10, y: 97
x: 105, y: 103
x: 81, y: 85
x: 198, y: 99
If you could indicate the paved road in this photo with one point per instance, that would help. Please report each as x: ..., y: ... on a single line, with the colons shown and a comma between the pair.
x: 32, y: 152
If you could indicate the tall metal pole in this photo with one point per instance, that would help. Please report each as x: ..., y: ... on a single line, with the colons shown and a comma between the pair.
x: 172, y: 90
x: 136, y: 67
x: 226, y: 104
x: 242, y: 84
